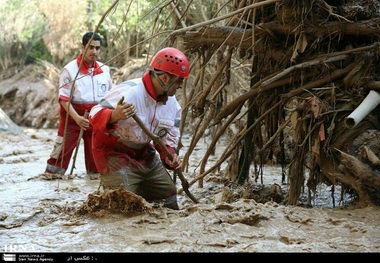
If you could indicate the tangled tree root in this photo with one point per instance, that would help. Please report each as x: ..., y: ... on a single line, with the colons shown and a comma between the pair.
x: 118, y: 200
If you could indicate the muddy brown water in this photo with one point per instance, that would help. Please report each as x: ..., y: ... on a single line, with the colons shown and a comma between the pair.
x: 38, y: 215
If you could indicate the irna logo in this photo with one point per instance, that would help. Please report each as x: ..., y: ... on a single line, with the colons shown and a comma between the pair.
x: 19, y: 248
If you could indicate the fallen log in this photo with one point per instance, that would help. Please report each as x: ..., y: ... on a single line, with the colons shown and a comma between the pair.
x: 358, y: 176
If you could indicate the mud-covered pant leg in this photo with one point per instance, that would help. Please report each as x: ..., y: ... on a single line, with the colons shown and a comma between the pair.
x: 60, y: 159
x: 154, y: 183
x: 150, y: 180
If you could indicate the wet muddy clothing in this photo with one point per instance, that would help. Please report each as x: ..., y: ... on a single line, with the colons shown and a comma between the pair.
x: 123, y: 153
x: 90, y: 86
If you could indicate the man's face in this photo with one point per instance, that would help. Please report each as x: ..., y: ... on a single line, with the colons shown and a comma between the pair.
x: 92, y: 52
x: 176, y: 85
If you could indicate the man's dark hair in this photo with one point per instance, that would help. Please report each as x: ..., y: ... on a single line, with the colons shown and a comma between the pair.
x: 86, y: 37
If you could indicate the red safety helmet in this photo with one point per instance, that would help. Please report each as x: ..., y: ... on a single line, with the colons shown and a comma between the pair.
x: 172, y: 61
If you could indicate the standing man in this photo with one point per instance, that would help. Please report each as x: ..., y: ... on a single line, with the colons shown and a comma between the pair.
x: 124, y: 154
x: 92, y: 82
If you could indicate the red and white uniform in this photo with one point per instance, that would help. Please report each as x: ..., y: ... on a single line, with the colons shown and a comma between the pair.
x: 90, y: 85
x: 125, y: 138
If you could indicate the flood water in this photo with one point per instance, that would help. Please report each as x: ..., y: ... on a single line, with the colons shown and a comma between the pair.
x: 38, y: 215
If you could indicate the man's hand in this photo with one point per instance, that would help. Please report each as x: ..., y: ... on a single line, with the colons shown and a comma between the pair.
x: 175, y: 164
x: 122, y: 111
x: 82, y: 122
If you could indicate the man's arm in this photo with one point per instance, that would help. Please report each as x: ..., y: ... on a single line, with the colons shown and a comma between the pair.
x: 80, y: 120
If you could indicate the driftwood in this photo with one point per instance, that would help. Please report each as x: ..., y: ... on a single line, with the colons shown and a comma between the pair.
x: 309, y: 64
x: 238, y: 37
x: 360, y: 177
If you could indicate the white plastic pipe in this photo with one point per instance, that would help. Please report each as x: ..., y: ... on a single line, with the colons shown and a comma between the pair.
x: 368, y: 104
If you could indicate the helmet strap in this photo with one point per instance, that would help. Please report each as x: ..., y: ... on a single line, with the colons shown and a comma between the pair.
x: 164, y: 86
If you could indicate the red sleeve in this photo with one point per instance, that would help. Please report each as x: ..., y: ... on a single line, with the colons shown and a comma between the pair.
x: 100, y: 120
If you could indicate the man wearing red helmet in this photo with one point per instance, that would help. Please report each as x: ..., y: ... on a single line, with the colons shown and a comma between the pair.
x: 123, y: 153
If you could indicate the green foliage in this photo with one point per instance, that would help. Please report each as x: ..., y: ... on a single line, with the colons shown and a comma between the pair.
x: 52, y: 30
x: 21, y: 25
x: 37, y: 52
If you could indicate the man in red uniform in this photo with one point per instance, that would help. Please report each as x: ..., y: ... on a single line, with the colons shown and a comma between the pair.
x: 84, y: 80
x: 123, y: 153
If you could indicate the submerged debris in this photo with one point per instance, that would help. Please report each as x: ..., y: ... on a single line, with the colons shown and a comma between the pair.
x: 118, y: 200
x: 259, y: 193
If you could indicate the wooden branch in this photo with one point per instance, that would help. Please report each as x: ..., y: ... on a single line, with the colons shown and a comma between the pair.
x: 215, y: 140
x: 375, y: 85
x: 157, y: 140
x: 302, y: 65
x: 217, y: 19
x: 274, y: 136
x: 215, y: 35
x: 359, y: 177
x: 229, y: 108
x: 76, y: 75
x: 78, y: 143
x: 201, y: 99
x: 221, y: 159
